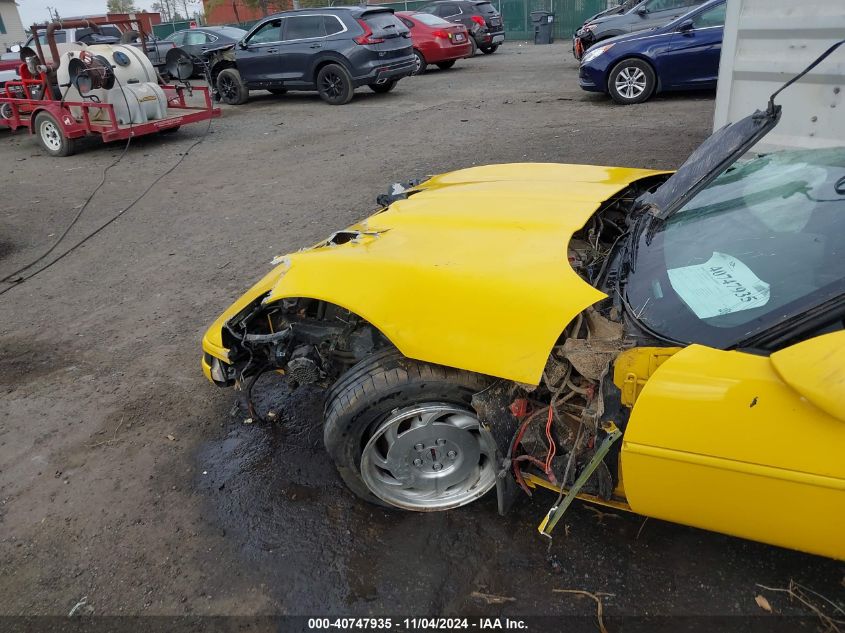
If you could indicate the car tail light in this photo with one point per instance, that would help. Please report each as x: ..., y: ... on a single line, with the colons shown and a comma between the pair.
x: 367, y: 37
x: 441, y: 33
x: 479, y: 20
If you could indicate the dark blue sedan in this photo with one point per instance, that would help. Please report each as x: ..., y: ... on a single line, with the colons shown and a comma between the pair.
x: 683, y: 55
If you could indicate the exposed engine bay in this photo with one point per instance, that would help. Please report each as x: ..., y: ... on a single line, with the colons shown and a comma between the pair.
x: 548, y: 434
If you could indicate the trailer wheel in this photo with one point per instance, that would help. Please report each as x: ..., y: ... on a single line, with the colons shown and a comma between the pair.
x: 51, y: 136
x: 231, y: 87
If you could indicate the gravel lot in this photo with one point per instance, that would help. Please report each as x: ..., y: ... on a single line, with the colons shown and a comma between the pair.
x: 100, y: 369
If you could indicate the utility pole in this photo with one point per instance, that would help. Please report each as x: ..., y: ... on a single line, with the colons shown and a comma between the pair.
x: 54, y: 13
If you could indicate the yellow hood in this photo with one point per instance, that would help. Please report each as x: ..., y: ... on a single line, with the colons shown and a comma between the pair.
x: 470, y: 272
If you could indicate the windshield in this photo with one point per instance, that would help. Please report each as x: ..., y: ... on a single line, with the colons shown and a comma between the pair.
x: 431, y: 20
x: 763, y: 242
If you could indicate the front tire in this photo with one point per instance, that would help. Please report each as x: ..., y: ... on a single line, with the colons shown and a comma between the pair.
x: 631, y: 81
x: 386, y: 87
x: 335, y: 84
x: 231, y: 87
x: 489, y: 50
x: 51, y: 136
x: 446, y: 65
x: 403, y: 433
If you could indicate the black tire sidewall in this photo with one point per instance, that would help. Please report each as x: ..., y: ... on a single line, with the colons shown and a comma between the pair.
x: 67, y: 145
x: 422, y: 62
x: 446, y: 65
x: 349, y: 427
x: 242, y: 90
x: 489, y: 50
x: 651, y: 81
x: 349, y: 88
x: 384, y: 88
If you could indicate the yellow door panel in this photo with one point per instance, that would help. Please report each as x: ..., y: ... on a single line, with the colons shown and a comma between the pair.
x: 802, y: 512
x: 718, y: 440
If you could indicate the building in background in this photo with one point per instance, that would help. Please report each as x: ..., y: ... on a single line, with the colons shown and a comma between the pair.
x: 11, y: 28
x: 239, y: 11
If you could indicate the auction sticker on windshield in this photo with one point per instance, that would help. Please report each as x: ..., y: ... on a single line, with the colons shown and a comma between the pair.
x: 721, y: 285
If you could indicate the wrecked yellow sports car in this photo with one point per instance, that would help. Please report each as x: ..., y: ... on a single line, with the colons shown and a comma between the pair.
x: 667, y: 344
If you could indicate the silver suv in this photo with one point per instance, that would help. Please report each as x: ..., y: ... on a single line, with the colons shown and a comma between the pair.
x: 647, y: 14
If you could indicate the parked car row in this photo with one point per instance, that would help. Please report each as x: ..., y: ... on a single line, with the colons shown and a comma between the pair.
x: 639, y: 16
x: 682, y: 54
x: 334, y: 50
x: 156, y: 50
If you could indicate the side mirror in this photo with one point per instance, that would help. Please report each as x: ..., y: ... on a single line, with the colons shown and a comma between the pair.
x: 16, y: 48
x: 642, y: 12
x: 814, y: 369
x: 242, y: 45
x: 685, y: 27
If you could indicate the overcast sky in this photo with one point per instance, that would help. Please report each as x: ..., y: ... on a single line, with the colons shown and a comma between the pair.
x: 36, y: 10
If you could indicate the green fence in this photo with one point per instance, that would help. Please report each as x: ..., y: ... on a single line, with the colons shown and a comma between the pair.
x: 166, y: 28
x: 569, y: 14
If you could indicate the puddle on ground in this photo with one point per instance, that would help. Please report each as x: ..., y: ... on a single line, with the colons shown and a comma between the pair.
x: 320, y: 550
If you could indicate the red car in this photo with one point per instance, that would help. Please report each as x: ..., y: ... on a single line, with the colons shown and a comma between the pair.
x: 436, y: 41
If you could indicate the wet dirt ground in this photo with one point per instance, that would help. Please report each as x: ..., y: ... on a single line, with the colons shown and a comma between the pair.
x: 125, y: 477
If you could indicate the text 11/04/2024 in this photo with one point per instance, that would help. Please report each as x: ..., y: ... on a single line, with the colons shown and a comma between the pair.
x: 416, y: 624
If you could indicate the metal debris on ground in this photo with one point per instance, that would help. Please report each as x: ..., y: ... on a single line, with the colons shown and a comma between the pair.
x: 81, y: 607
x: 490, y: 598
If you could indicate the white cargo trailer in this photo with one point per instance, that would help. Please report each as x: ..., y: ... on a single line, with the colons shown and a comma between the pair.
x: 766, y: 43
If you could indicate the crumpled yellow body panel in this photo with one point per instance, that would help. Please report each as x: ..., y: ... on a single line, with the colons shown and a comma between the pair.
x: 470, y: 272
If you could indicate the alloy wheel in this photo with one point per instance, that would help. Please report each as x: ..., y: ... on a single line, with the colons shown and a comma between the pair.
x: 228, y: 88
x: 630, y: 82
x: 431, y: 456
x: 332, y: 85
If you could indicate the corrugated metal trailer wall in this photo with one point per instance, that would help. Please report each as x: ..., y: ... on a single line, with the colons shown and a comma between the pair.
x: 766, y: 43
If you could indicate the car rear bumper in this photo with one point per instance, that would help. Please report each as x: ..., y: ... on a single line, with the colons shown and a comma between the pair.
x: 388, y: 71
x: 491, y: 38
x: 434, y: 52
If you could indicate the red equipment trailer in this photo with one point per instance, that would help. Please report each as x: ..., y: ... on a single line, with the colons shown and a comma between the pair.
x: 32, y: 103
